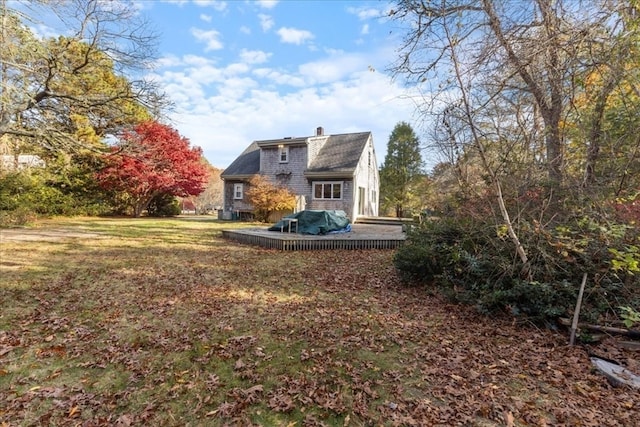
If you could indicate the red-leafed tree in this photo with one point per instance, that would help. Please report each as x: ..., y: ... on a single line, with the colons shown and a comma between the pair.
x: 151, y: 160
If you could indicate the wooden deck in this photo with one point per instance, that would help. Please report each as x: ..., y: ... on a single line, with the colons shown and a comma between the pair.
x: 361, y: 236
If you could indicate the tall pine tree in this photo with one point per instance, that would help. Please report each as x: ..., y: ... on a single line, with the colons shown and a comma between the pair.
x: 401, y: 171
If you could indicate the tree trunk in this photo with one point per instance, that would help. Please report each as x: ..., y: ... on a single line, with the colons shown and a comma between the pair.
x: 555, y: 150
x: 494, y: 178
x: 595, y: 131
x: 547, y: 93
x: 137, y: 210
x: 141, y: 204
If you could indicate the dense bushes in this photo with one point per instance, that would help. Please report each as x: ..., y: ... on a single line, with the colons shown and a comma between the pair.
x: 164, y: 205
x: 29, y: 193
x: 474, y: 263
x: 25, y: 195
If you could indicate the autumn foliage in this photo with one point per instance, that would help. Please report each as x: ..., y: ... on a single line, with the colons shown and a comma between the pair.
x: 628, y: 209
x: 267, y: 198
x: 151, y: 160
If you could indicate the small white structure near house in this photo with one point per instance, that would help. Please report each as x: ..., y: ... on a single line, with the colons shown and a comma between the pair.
x: 20, y: 162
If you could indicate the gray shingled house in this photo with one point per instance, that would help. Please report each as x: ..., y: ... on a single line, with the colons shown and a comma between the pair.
x: 326, y: 172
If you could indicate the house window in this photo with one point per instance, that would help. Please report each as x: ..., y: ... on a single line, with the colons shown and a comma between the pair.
x: 237, y: 191
x: 283, y: 154
x: 327, y: 190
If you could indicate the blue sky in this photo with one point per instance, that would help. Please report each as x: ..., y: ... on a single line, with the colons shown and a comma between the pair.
x: 240, y: 71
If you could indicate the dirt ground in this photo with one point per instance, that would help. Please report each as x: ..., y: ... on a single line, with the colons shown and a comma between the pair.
x: 39, y: 235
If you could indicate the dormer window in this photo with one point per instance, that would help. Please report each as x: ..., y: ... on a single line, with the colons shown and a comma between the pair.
x: 283, y: 153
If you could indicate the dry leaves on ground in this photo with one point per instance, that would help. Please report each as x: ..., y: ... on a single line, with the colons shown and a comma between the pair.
x: 137, y: 332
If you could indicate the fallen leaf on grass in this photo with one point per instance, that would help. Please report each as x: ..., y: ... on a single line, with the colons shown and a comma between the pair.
x: 74, y: 412
x: 255, y: 389
x: 508, y: 419
x: 281, y: 402
x: 124, y: 421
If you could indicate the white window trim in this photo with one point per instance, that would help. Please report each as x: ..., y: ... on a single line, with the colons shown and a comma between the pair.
x: 284, y: 149
x: 237, y: 187
x: 313, y: 189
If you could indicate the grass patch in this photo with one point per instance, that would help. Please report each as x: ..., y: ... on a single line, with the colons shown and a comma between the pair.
x: 161, y: 322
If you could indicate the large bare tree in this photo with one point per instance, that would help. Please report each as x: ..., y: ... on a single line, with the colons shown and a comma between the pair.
x: 537, y: 47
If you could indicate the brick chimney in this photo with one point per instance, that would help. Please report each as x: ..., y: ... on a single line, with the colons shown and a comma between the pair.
x: 319, y: 131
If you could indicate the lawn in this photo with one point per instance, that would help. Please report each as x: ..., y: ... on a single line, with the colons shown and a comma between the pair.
x: 162, y: 322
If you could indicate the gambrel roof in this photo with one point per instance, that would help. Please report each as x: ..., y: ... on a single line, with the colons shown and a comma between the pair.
x: 339, y: 156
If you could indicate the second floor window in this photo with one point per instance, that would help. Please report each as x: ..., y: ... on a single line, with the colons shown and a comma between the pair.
x: 283, y: 154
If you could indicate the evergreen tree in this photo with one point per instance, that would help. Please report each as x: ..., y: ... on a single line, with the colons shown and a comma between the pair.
x: 401, y: 171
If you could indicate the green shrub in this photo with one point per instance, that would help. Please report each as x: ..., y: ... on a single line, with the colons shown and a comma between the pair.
x: 472, y: 262
x: 27, y: 191
x: 164, y: 205
x: 630, y: 316
x: 429, y: 249
x: 40, y: 192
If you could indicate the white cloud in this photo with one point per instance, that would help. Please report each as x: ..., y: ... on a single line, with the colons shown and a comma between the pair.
x: 245, y: 30
x: 216, y: 4
x: 237, y: 68
x: 240, y: 109
x: 294, y: 36
x: 333, y: 68
x: 182, y: 88
x: 365, y: 29
x: 364, y: 13
x: 276, y: 77
x: 168, y: 61
x: 197, y: 61
x: 208, y: 74
x: 210, y: 38
x: 266, y: 22
x: 236, y: 88
x: 267, y: 4
x: 205, y: 18
x: 254, y: 56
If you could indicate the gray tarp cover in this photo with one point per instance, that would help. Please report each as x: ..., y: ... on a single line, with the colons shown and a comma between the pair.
x: 315, y: 222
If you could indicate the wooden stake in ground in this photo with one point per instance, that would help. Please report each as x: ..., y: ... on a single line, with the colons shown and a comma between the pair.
x: 576, y: 312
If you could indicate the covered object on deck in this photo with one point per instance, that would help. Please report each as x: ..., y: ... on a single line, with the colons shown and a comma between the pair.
x: 314, y: 222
